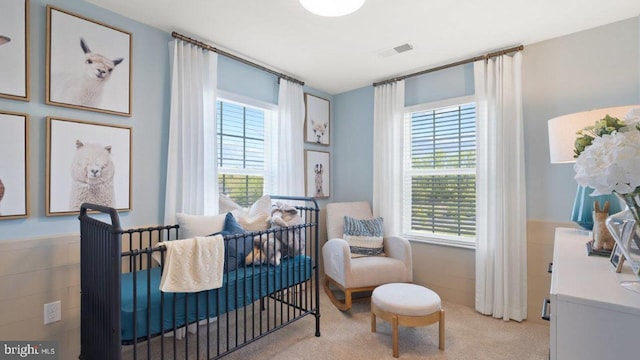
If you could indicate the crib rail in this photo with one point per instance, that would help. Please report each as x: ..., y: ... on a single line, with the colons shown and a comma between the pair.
x: 255, y: 300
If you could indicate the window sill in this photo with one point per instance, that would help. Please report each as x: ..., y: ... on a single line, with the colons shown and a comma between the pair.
x: 464, y: 244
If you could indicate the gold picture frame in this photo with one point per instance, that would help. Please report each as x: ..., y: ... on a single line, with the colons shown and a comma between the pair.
x: 14, y: 50
x: 89, y: 64
x: 87, y: 162
x: 317, y: 120
x: 14, y: 182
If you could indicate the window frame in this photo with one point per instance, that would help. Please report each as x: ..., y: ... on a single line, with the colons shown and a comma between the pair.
x: 270, y: 117
x: 408, y: 173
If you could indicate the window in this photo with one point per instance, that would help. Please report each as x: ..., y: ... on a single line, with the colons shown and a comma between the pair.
x: 243, y: 150
x: 439, y: 185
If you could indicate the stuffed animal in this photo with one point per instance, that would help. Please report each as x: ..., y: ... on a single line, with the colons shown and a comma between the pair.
x: 269, y: 249
x: 601, y: 235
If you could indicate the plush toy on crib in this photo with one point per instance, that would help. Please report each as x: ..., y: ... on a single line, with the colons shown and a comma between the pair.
x: 269, y: 249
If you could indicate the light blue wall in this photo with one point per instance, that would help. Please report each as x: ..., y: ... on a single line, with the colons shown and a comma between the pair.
x: 149, y: 121
x: 353, y: 164
x: 590, y: 69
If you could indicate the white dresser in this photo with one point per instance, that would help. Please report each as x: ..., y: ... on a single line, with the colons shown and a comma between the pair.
x: 592, y: 316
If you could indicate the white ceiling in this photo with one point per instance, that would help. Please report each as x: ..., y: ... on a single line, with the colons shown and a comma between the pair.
x: 340, y: 54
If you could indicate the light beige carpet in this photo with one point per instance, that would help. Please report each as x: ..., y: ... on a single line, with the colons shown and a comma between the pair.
x: 347, y: 335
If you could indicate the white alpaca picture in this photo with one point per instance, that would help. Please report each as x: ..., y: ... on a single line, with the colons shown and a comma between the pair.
x: 87, y: 163
x: 14, y: 143
x: 317, y: 127
x: 86, y: 86
x: 92, y: 174
x: 88, y: 64
x: 14, y: 46
x: 317, y: 174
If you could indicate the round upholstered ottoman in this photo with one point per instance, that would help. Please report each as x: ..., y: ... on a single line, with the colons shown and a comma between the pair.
x: 406, y: 305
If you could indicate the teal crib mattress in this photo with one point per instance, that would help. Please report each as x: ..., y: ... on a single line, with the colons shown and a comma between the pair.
x: 148, y: 312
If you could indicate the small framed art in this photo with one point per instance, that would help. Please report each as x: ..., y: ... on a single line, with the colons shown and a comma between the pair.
x: 89, y: 64
x: 617, y: 258
x: 317, y: 120
x: 87, y: 162
x: 317, y: 174
x: 14, y: 165
x: 14, y: 49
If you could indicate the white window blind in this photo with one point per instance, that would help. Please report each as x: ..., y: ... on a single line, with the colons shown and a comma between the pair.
x: 242, y: 151
x: 439, y: 173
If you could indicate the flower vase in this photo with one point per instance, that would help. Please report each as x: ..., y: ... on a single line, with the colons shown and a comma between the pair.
x: 625, y: 229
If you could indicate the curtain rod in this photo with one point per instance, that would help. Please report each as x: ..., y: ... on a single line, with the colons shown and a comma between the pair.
x: 461, y: 62
x: 234, y: 57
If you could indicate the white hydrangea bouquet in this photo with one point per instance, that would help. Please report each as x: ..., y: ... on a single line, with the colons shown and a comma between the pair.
x: 608, y: 155
x: 608, y: 160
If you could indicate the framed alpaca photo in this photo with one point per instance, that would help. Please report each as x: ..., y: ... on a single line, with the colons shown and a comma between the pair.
x: 317, y: 174
x: 14, y: 165
x: 317, y: 120
x: 89, y: 64
x: 14, y: 49
x: 87, y: 162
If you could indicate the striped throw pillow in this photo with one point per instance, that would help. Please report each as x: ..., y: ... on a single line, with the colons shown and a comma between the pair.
x: 364, y: 236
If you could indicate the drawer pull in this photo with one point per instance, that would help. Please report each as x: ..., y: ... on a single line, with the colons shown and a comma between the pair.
x: 546, y: 308
x: 550, y: 268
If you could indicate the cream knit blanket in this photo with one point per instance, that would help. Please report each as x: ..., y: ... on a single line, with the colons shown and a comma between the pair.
x: 193, y: 265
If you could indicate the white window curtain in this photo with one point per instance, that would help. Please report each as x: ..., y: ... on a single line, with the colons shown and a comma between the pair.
x: 388, y: 117
x: 501, y: 242
x: 192, y: 179
x: 288, y: 157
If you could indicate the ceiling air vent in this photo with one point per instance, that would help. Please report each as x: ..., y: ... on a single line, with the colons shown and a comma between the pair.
x: 396, y: 50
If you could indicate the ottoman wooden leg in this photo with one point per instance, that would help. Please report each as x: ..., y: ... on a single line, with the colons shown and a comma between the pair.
x: 441, y: 327
x: 394, y: 321
x: 373, y: 322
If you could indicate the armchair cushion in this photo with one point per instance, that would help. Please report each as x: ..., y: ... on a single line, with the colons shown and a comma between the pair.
x: 364, y: 236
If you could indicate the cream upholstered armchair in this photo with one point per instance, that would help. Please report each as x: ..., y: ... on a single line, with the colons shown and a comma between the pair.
x: 351, y: 275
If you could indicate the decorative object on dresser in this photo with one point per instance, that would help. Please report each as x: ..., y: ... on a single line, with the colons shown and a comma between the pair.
x: 562, y: 145
x: 607, y: 161
x: 602, y: 239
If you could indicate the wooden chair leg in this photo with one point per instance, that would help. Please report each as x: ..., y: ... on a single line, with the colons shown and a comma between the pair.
x: 441, y: 328
x: 373, y: 322
x: 342, y: 306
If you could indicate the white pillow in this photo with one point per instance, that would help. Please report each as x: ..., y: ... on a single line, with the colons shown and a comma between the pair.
x: 255, y: 218
x: 226, y: 204
x: 199, y: 225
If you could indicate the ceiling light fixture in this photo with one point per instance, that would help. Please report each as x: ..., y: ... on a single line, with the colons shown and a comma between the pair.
x: 332, y: 7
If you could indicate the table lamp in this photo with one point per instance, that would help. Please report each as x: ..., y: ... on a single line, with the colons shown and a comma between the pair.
x: 562, y: 136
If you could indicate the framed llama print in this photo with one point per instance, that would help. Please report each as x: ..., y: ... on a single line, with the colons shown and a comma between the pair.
x: 89, y: 64
x: 316, y: 120
x: 317, y: 173
x: 87, y: 162
x: 14, y: 165
x: 14, y: 49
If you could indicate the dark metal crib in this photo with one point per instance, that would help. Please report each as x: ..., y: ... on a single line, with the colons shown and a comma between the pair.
x: 124, y: 315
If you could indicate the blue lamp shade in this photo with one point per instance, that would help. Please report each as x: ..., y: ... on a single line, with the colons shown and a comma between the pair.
x: 582, y: 213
